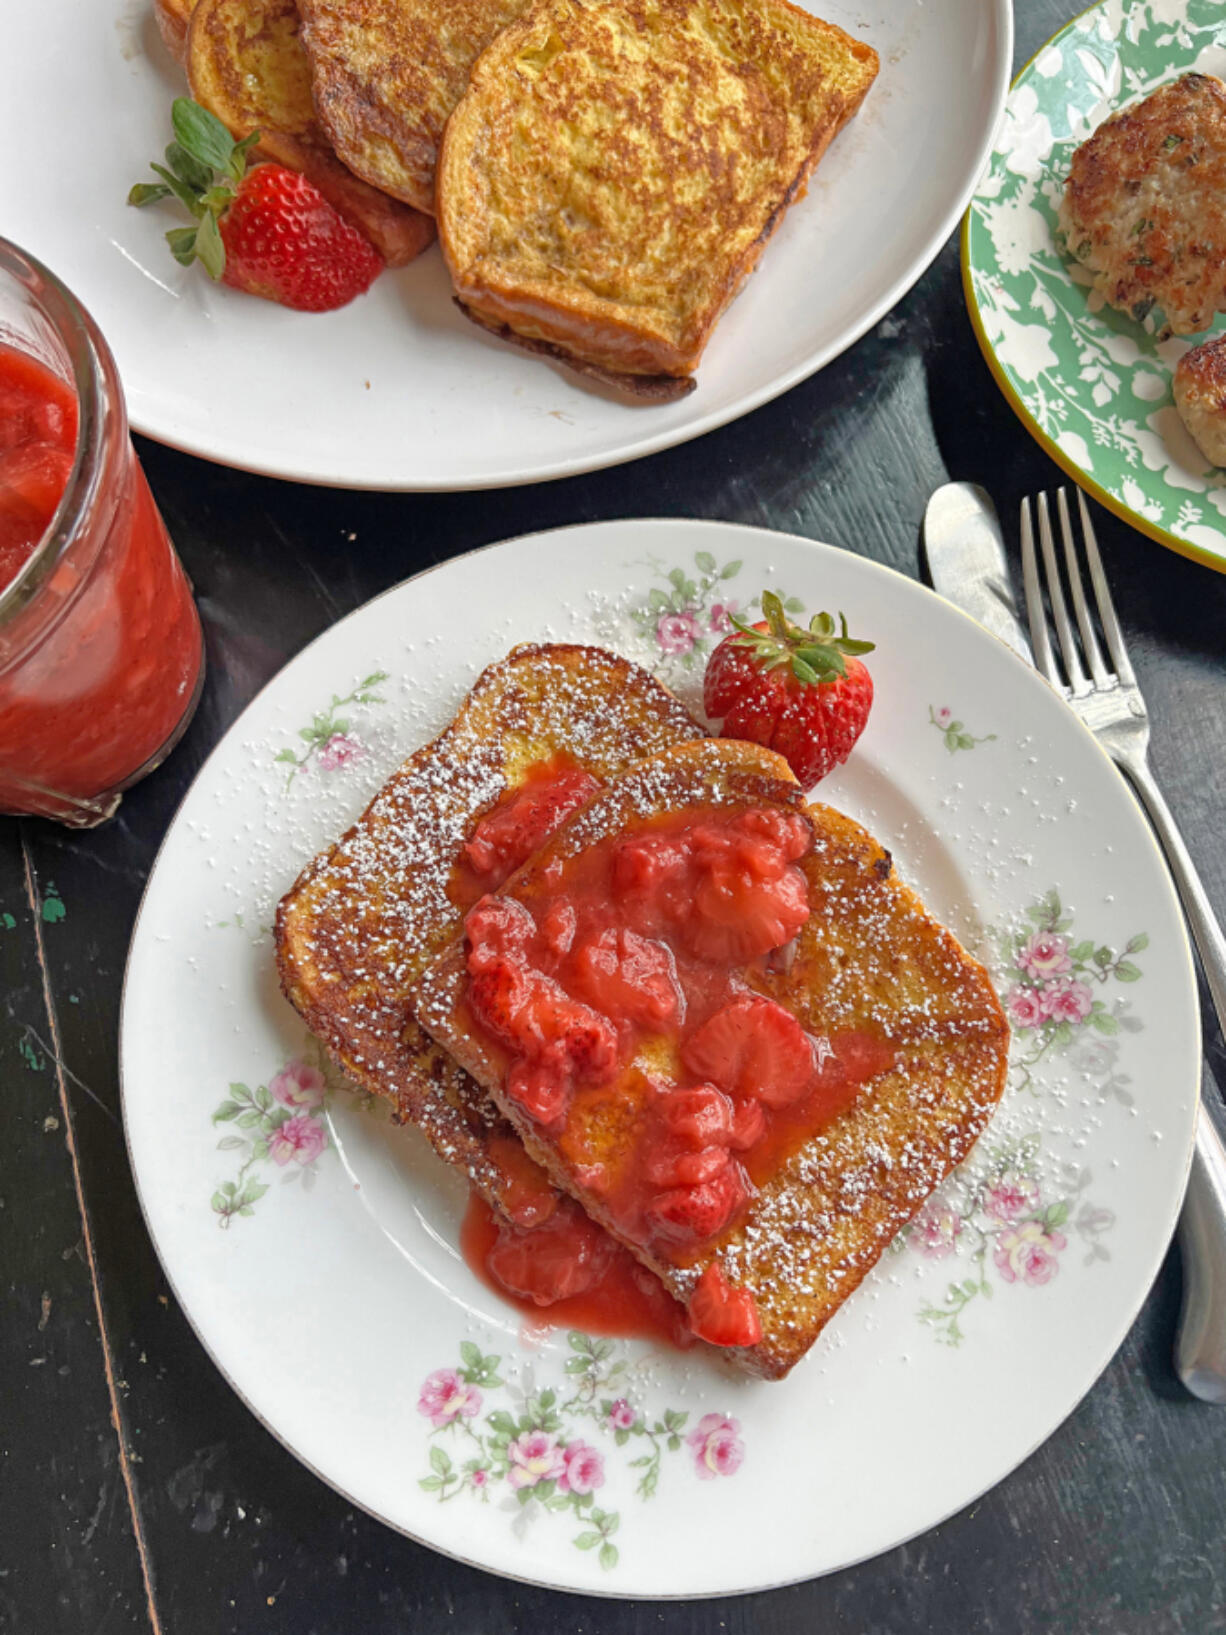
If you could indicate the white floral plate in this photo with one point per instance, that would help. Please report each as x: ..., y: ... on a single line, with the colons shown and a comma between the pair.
x: 399, y: 390
x: 1093, y: 385
x: 314, y: 1246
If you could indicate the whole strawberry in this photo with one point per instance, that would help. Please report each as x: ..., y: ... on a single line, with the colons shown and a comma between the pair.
x: 801, y: 692
x: 267, y: 230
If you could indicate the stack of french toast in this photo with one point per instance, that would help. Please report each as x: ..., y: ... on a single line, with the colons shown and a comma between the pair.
x: 616, y: 967
x: 603, y: 175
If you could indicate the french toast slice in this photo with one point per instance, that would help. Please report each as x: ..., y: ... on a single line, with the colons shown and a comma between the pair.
x: 388, y: 74
x: 812, y: 1164
x: 365, y: 917
x: 616, y: 167
x: 245, y: 63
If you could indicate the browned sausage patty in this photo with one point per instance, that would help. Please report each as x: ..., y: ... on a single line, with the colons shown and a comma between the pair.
x: 1145, y: 204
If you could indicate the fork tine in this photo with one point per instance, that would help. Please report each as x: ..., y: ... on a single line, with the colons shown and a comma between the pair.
x: 1089, y: 641
x: 1078, y: 680
x: 1035, y: 612
x: 1102, y: 594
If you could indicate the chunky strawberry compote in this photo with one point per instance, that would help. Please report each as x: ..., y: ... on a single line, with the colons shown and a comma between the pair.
x: 521, y: 822
x: 619, y: 990
x: 569, y: 1272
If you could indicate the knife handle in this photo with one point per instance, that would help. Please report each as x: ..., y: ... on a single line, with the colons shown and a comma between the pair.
x: 1200, y: 1344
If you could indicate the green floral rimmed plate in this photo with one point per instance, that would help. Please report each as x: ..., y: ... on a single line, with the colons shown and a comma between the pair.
x: 1092, y: 385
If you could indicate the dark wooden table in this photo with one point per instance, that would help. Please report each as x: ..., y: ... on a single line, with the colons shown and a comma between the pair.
x: 136, y: 1492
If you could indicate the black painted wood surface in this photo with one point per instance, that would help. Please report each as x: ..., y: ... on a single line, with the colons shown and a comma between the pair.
x: 136, y: 1492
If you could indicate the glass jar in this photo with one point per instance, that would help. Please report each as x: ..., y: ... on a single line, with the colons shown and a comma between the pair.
x: 101, y: 653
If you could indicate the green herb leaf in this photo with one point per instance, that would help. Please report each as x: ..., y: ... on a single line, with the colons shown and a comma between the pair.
x: 147, y: 193
x: 187, y: 196
x: 202, y: 134
x: 182, y: 241
x: 209, y: 248
x: 188, y: 168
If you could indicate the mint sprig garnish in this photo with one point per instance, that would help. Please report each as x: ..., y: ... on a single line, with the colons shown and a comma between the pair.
x: 814, y: 655
x: 204, y: 166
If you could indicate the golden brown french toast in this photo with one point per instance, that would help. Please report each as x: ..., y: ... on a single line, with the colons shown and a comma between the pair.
x: 616, y: 167
x: 388, y: 74
x: 365, y: 918
x: 246, y: 64
x: 719, y: 1022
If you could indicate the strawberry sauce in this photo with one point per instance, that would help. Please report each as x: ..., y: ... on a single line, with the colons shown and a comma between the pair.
x: 38, y: 438
x: 618, y: 1297
x: 618, y: 989
x: 99, y: 669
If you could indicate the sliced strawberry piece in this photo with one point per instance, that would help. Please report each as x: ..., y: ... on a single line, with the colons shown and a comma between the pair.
x: 748, y: 1125
x: 558, y: 928
x: 675, y: 1166
x: 498, y: 929
x: 753, y: 1047
x: 701, y: 1117
x: 735, y: 917
x: 788, y: 832
x: 508, y: 836
x: 629, y: 978
x: 496, y: 996
x: 563, y: 1257
x: 541, y: 1086
x: 693, y: 1214
x: 721, y: 1314
x: 646, y: 863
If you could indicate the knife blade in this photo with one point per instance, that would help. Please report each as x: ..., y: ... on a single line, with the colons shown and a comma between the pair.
x: 966, y: 558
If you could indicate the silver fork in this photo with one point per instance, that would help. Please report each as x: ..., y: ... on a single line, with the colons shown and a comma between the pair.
x: 1111, y: 705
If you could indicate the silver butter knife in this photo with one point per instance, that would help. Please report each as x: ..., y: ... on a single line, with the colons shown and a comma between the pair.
x: 966, y: 558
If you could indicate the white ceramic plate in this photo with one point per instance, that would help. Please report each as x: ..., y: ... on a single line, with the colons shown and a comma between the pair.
x: 313, y: 1245
x: 398, y: 390
x: 1092, y: 384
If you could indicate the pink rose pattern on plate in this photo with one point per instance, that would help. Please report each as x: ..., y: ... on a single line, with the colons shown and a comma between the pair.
x: 999, y: 1218
x: 1001, y: 1221
x: 279, y: 1124
x: 954, y: 732
x: 1053, y: 987
x: 531, y: 1450
x: 328, y: 740
x: 691, y: 612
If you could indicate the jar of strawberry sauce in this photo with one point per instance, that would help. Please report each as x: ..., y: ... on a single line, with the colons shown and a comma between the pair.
x: 101, y: 655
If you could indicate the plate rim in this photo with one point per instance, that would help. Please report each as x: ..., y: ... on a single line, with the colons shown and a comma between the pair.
x: 1160, y: 1243
x: 1110, y: 502
x: 1000, y: 18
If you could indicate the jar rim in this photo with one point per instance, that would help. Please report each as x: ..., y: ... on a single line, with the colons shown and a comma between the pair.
x: 97, y: 385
